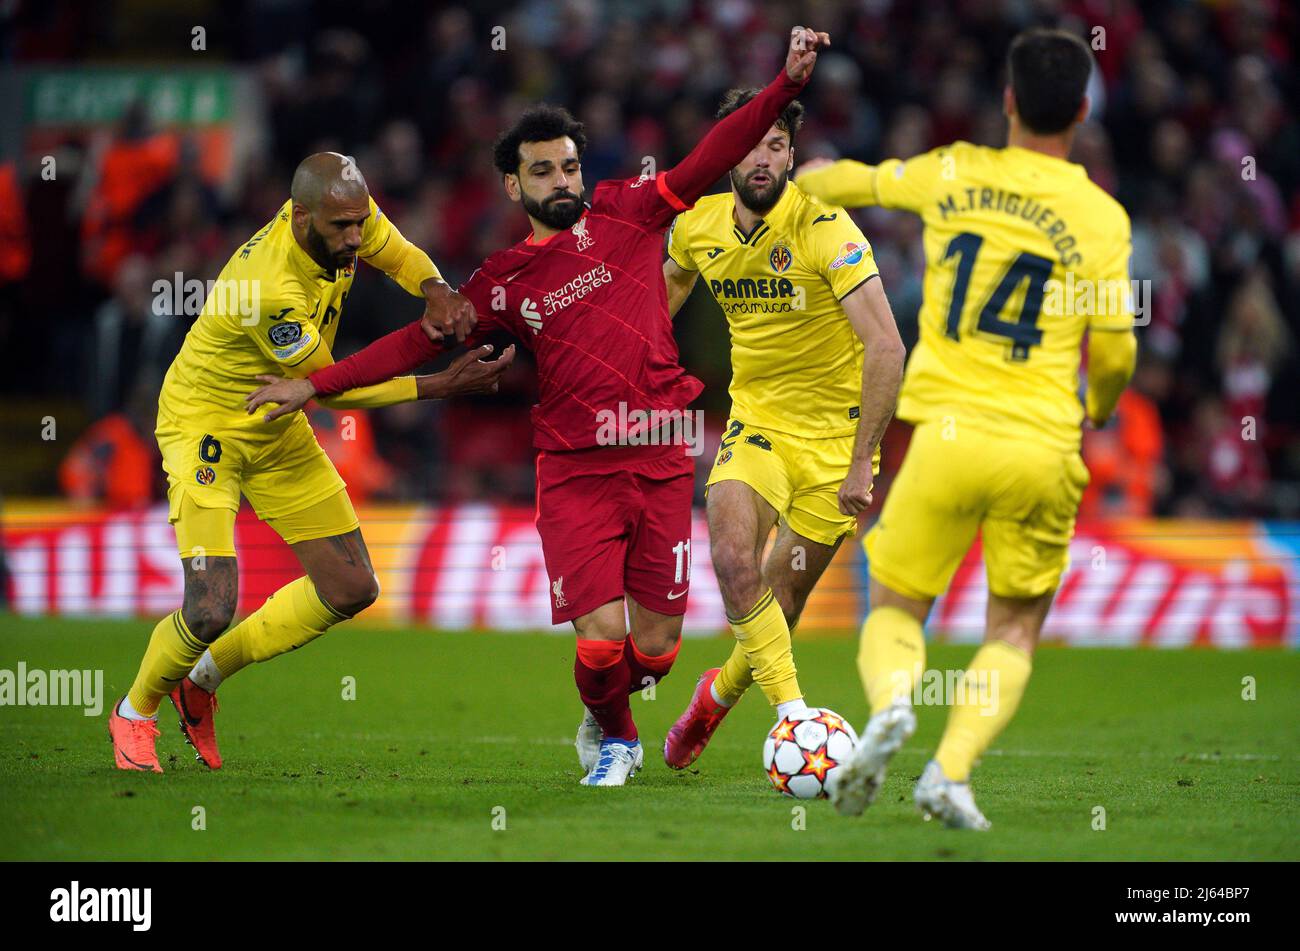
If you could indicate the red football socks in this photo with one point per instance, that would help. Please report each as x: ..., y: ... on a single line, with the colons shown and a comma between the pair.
x: 643, y: 669
x: 602, y: 678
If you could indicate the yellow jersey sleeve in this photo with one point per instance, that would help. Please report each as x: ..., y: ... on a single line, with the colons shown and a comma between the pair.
x: 1111, y: 360
x: 383, y: 247
x: 401, y: 389
x: 846, y: 182
x: 1114, y: 311
x: 678, y: 244
x: 842, y: 254
x: 911, y: 183
x: 1112, y: 345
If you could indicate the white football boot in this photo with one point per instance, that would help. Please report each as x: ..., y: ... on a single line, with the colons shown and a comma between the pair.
x: 618, y: 762
x: 937, y: 795
x: 854, y: 785
x: 588, y: 741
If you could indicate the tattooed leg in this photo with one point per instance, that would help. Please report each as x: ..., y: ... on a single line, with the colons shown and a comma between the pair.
x: 211, y: 594
x: 340, y: 583
x: 339, y: 566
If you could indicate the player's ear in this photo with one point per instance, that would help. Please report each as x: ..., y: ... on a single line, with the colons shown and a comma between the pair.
x: 512, y: 186
x: 789, y: 160
x: 1084, y: 108
x: 301, y: 216
x: 1008, y: 102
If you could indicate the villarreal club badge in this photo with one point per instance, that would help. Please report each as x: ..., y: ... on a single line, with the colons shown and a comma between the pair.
x: 780, y: 259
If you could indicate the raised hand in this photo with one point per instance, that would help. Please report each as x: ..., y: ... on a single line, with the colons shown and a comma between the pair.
x: 802, y: 56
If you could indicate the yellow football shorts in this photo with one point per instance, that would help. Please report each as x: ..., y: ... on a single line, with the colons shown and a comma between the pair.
x: 284, y: 473
x: 797, y: 476
x: 1023, y: 496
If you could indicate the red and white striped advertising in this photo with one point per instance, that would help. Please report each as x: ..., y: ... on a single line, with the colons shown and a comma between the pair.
x: 1155, y: 583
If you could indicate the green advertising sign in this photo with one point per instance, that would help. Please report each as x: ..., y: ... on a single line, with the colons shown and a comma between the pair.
x: 98, y: 96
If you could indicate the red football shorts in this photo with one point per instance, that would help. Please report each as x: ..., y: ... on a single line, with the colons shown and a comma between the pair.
x: 616, y: 521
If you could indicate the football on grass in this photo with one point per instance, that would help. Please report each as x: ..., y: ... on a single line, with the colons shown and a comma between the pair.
x: 804, y: 750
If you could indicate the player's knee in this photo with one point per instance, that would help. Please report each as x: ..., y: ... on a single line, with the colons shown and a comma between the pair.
x: 211, y: 596
x: 353, y: 594
x: 594, y: 627
x: 655, y: 642
x: 737, y: 572
x: 362, y: 593
x: 208, y: 617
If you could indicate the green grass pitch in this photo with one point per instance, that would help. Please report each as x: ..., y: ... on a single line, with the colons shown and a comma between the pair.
x: 451, y: 731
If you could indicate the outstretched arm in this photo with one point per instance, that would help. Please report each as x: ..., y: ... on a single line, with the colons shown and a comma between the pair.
x: 402, y: 389
x: 846, y: 183
x: 908, y: 184
x: 472, y: 372
x: 391, y: 355
x: 730, y: 140
x: 406, y: 348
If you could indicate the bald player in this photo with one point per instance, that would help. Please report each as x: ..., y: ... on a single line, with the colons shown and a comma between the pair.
x: 275, y: 307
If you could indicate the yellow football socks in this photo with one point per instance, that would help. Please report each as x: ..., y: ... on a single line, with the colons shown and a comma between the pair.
x: 734, y: 678
x: 991, y: 692
x: 290, y: 618
x: 170, y: 655
x: 891, y: 655
x: 764, y: 637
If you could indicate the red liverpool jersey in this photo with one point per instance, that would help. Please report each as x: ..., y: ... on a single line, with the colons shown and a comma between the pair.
x: 591, y: 305
x: 590, y: 301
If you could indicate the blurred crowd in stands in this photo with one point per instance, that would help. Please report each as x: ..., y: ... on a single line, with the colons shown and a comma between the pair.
x: 1194, y: 129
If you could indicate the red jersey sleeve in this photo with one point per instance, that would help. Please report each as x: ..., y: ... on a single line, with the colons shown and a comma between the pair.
x: 408, y: 347
x: 728, y: 142
x: 653, y: 201
x: 646, y: 201
x: 391, y: 355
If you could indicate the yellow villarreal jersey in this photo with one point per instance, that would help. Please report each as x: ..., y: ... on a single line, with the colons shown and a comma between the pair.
x: 796, y: 362
x: 1023, y: 255
x: 271, y: 310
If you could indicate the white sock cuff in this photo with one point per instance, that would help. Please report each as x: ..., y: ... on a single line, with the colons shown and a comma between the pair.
x: 205, y: 673
x: 128, y: 712
x: 791, y: 706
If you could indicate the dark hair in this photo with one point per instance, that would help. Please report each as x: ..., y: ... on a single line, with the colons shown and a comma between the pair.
x: 1048, y: 71
x: 789, y: 121
x: 540, y: 123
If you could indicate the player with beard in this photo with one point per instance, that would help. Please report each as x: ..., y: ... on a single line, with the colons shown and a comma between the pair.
x: 586, y: 293
x: 275, y: 305
x: 816, y: 365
